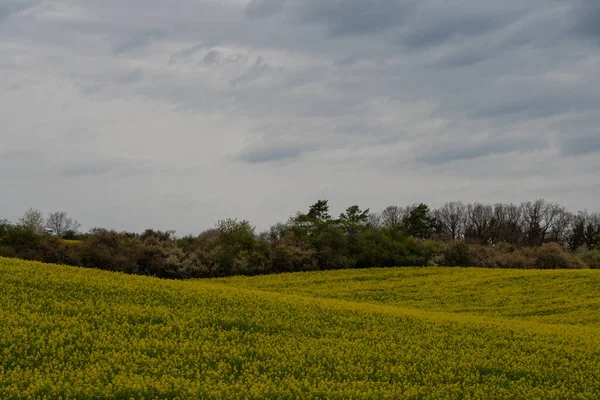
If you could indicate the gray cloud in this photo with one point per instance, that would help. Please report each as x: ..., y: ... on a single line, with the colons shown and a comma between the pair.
x: 542, y: 106
x: 263, y: 8
x: 439, y: 29
x: 465, y: 151
x: 582, y: 145
x: 586, y: 19
x: 12, y: 7
x: 352, y: 17
x: 138, y: 40
x: 279, y: 99
x: 275, y: 153
x: 211, y: 57
x: 87, y: 169
x: 256, y: 71
x: 186, y: 53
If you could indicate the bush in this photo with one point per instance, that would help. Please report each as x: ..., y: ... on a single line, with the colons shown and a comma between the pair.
x: 553, y: 256
x: 287, y: 257
x: 458, y: 254
x: 515, y: 260
x: 590, y: 257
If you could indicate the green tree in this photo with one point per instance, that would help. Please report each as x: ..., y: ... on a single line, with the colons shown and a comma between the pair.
x: 354, y: 218
x: 235, y: 240
x: 317, y: 230
x: 313, y: 221
x: 419, y: 223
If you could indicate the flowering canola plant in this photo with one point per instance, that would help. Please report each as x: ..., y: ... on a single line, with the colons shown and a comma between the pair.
x: 411, y: 333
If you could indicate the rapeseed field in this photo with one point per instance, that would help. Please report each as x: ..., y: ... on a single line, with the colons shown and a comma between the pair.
x: 414, y: 333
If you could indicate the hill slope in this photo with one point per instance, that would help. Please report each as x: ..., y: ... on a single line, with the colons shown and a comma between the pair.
x: 395, y: 333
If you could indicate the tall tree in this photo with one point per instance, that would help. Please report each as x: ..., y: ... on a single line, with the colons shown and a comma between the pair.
x: 481, y: 223
x: 374, y: 220
x: 60, y: 223
x: 539, y: 218
x: 311, y: 222
x: 33, y: 220
x: 419, y: 223
x: 392, y: 217
x: 353, y: 219
x: 452, y: 217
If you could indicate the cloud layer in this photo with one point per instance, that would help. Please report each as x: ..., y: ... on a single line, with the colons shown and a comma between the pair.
x: 144, y: 114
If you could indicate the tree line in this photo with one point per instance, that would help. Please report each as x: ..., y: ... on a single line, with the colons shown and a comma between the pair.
x: 535, y: 234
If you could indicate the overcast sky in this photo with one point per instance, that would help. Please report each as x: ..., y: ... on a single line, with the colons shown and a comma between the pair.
x: 131, y: 114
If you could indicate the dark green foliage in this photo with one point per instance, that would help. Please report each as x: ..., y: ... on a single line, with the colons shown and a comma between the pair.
x: 419, y: 223
x: 477, y: 235
x: 458, y: 254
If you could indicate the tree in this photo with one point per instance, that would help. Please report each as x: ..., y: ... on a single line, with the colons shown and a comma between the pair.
x: 392, y: 218
x: 5, y: 227
x: 507, y: 223
x: 313, y: 221
x: 559, y: 231
x: 374, y: 220
x: 234, y: 238
x: 451, y: 217
x: 324, y: 234
x: 60, y: 223
x: 319, y: 211
x: 539, y: 218
x: 592, y: 230
x: 480, y: 223
x: 232, y: 232
x: 353, y: 219
x: 353, y: 222
x: 419, y: 223
x: 34, y: 221
x: 577, y: 233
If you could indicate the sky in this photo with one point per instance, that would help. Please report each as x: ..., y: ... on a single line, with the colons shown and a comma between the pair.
x: 135, y: 114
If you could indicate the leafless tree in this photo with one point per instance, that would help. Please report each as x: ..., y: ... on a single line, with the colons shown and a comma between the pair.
x: 559, y: 231
x: 374, y: 220
x: 480, y: 223
x: 392, y: 217
x: 592, y: 230
x: 508, y: 223
x: 60, y: 223
x: 33, y: 219
x: 539, y: 218
x: 452, y: 217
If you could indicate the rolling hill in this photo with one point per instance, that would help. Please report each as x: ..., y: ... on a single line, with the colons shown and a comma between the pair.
x: 380, y: 333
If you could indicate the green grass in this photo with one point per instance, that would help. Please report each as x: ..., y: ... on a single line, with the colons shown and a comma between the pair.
x: 384, y: 333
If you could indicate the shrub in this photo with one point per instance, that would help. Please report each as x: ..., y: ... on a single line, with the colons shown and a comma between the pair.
x: 590, y: 257
x: 553, y: 256
x: 287, y: 257
x: 458, y: 254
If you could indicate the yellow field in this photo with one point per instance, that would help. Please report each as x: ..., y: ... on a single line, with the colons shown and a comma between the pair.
x: 383, y: 333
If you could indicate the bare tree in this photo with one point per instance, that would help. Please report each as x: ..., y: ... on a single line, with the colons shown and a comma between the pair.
x: 508, y: 223
x: 539, y: 218
x: 481, y: 223
x: 532, y: 218
x: 452, y: 217
x: 592, y: 230
x: 559, y: 231
x: 33, y: 219
x: 60, y: 223
x: 374, y: 220
x: 391, y: 217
